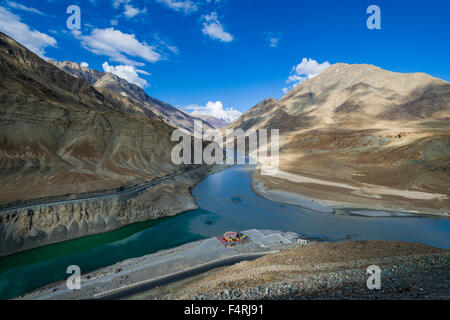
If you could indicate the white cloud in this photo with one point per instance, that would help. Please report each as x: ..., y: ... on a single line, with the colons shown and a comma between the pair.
x: 84, y: 64
x: 131, y: 12
x: 118, y: 46
x: 34, y: 40
x: 117, y: 3
x: 114, y: 22
x: 164, y: 46
x: 305, y: 70
x: 19, y: 6
x: 217, y: 110
x: 186, y: 6
x: 214, y: 28
x: 76, y: 33
x: 129, y: 73
x: 310, y: 68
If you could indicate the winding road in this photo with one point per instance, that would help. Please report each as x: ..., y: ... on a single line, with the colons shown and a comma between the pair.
x: 130, y: 290
x: 97, y: 196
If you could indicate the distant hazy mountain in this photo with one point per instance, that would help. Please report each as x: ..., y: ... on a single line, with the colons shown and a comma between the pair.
x: 60, y: 135
x: 215, y: 122
x: 132, y: 98
x: 362, y: 124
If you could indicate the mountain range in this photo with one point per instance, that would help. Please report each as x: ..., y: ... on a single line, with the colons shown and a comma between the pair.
x: 131, y: 97
x: 383, y: 135
x: 68, y: 129
x: 213, y: 121
x: 61, y: 135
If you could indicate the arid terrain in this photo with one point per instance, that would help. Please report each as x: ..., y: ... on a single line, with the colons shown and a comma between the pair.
x: 215, y: 122
x: 320, y: 171
x: 357, y: 135
x: 324, y: 271
x: 131, y: 98
x: 60, y: 136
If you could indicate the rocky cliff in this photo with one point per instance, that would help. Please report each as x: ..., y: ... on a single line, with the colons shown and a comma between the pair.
x: 23, y: 229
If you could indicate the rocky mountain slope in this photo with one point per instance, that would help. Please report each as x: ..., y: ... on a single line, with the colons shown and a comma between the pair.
x: 213, y: 121
x: 363, y: 126
x: 60, y: 135
x: 132, y: 98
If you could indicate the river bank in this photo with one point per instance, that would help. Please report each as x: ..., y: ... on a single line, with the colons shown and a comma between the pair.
x: 286, y: 270
x: 137, y: 271
x: 324, y: 271
x: 43, y: 224
x: 328, y: 196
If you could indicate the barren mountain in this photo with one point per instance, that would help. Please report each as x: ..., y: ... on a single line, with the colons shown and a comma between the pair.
x: 60, y: 135
x: 382, y: 138
x: 213, y: 121
x: 132, y: 98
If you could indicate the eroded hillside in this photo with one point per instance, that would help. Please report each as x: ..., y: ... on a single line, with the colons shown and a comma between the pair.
x: 385, y: 135
x: 60, y: 135
x: 132, y: 98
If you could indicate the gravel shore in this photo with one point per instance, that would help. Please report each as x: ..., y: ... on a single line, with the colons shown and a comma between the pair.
x: 326, y: 271
x: 135, y: 271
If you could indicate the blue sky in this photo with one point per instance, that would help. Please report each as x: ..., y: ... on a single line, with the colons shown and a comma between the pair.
x: 236, y: 52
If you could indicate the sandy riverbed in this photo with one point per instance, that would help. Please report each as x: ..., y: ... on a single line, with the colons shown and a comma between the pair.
x: 325, y: 196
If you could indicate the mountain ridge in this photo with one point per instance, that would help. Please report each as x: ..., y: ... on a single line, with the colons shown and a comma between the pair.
x: 61, y: 137
x: 362, y: 125
x: 214, y: 121
x: 134, y: 98
x: 58, y: 129
x: 314, y: 91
